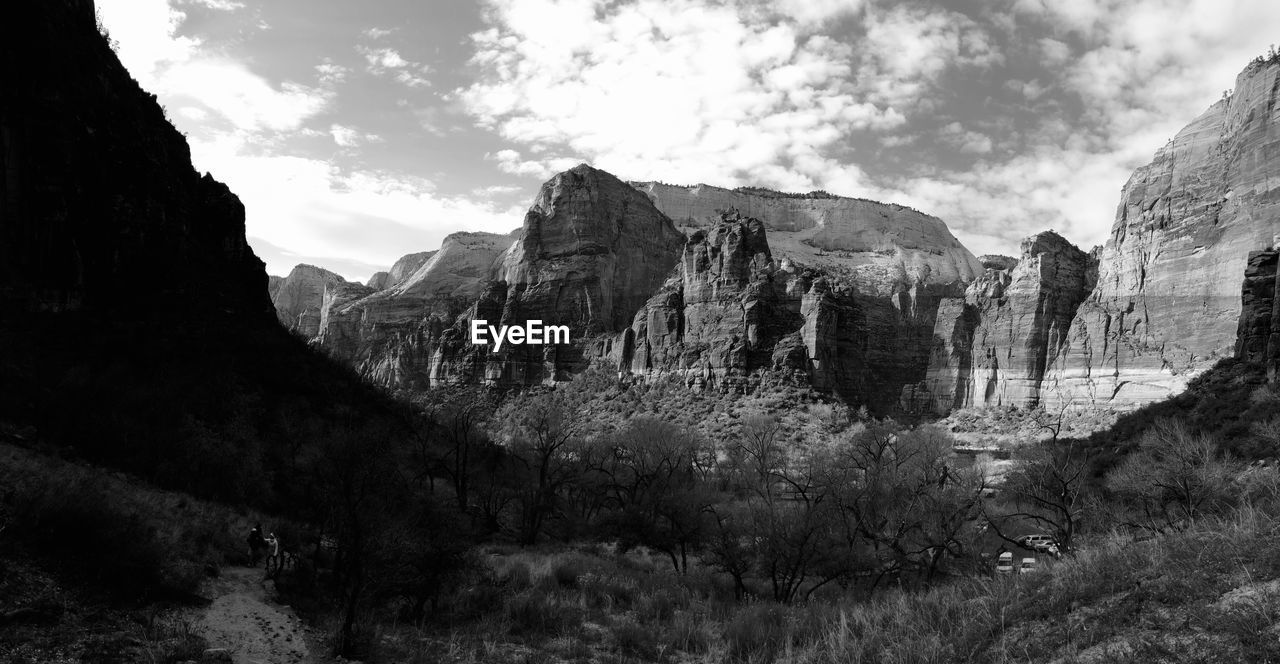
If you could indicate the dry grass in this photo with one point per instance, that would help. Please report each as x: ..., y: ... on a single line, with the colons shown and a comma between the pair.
x: 1211, y: 593
x: 94, y: 560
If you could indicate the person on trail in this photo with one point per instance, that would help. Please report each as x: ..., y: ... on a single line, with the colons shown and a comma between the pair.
x: 272, y: 544
x: 257, y: 545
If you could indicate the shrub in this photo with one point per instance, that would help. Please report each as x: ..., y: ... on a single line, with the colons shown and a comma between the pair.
x: 566, y: 572
x: 690, y: 632
x: 637, y: 640
x: 538, y: 614
x: 87, y: 528
x: 517, y: 576
x: 757, y: 633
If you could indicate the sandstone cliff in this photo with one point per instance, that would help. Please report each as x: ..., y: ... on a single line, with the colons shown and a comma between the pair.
x: 1167, y: 301
x: 589, y: 254
x: 390, y: 335
x: 1258, y: 338
x: 299, y: 297
x: 992, y: 347
x: 732, y: 315
x: 880, y: 248
x: 848, y: 305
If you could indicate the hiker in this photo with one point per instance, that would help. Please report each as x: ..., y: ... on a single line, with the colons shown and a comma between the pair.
x: 272, y: 544
x: 257, y: 544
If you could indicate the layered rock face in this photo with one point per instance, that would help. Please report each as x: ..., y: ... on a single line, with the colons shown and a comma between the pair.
x: 299, y: 297
x: 390, y: 335
x: 720, y: 315
x: 1167, y: 301
x: 401, y: 270
x: 1258, y: 338
x: 866, y: 282
x: 721, y: 308
x: 881, y: 249
x: 732, y: 315
x: 992, y: 347
x: 590, y: 253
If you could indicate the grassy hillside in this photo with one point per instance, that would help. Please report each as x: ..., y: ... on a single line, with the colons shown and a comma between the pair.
x: 1209, y: 594
x: 96, y: 565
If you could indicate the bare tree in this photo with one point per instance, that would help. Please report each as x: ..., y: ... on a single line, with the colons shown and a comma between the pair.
x: 540, y: 431
x: 905, y: 498
x: 654, y: 476
x: 1047, y: 488
x: 1173, y: 478
x: 455, y: 440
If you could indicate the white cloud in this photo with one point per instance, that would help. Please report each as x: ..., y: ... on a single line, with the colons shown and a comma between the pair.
x: 176, y: 68
x: 315, y: 209
x: 295, y: 206
x: 678, y: 89
x: 814, y: 12
x: 220, y: 5
x: 389, y: 62
x: 330, y: 73
x: 510, y: 161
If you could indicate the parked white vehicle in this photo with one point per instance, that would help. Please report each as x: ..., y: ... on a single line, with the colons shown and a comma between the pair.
x: 1004, y: 564
x: 1039, y: 543
x: 1028, y: 566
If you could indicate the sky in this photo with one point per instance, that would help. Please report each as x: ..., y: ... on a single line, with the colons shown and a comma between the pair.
x: 357, y: 132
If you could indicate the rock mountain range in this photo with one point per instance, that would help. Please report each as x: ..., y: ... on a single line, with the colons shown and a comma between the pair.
x: 875, y: 302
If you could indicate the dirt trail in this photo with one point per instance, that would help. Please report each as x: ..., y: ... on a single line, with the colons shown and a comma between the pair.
x: 253, y: 628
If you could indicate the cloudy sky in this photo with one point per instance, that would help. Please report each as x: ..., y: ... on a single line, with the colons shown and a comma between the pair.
x: 356, y: 132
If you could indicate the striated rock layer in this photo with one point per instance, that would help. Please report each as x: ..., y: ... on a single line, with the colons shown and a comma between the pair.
x: 298, y: 297
x: 590, y: 253
x: 732, y: 314
x: 992, y: 347
x: 1167, y: 301
x: 1258, y: 338
x: 719, y: 307
x: 880, y: 248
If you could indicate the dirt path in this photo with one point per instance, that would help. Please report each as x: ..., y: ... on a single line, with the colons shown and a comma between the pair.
x: 255, y: 630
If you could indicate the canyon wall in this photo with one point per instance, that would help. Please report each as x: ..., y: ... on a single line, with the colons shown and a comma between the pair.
x: 100, y: 208
x: 852, y: 311
x: 992, y: 347
x: 591, y: 251
x: 299, y: 297
x: 877, y: 302
x: 1167, y: 302
x: 884, y: 248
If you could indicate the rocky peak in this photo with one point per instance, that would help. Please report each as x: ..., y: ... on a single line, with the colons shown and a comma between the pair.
x: 299, y: 298
x: 997, y: 262
x: 725, y: 256
x: 406, y: 266
x: 591, y: 251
